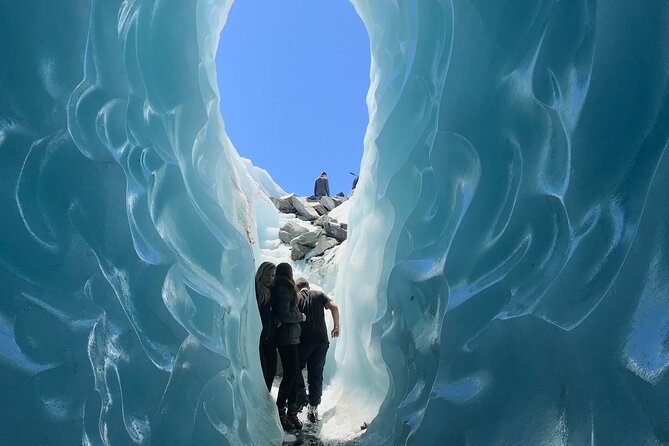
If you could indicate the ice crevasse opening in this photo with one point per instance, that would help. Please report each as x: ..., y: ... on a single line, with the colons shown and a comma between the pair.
x: 506, y: 276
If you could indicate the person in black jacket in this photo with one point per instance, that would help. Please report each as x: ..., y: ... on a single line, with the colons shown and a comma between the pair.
x: 284, y: 306
x: 322, y: 186
x: 264, y: 280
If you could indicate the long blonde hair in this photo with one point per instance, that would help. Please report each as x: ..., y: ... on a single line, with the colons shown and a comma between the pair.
x: 263, y: 292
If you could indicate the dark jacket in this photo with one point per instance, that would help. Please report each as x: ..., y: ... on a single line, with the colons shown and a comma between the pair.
x: 312, y: 304
x: 322, y: 187
x: 289, y: 331
x: 268, y: 327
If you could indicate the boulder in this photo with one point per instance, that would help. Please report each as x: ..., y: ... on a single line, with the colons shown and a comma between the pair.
x: 302, y: 209
x: 283, y: 204
x: 298, y: 251
x: 335, y: 231
x: 338, y: 200
x: 307, y: 239
x: 344, y: 225
x: 312, y: 198
x: 320, y: 209
x: 323, y: 219
x: 324, y: 243
x: 291, y: 230
x: 328, y: 203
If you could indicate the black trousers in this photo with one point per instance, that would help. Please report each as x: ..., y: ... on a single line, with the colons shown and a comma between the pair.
x: 312, y: 356
x: 268, y: 362
x: 290, y: 361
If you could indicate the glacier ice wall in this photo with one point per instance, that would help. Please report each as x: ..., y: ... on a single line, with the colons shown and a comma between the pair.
x: 127, y: 226
x: 516, y: 185
x: 514, y: 182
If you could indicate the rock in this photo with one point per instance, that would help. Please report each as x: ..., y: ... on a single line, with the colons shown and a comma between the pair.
x: 298, y: 251
x: 283, y: 204
x: 338, y: 200
x: 323, y: 219
x: 335, y: 230
x: 291, y: 230
x: 344, y: 225
x: 307, y: 239
x: 302, y: 209
x: 312, y: 198
x: 328, y: 203
x: 324, y: 243
x: 320, y: 209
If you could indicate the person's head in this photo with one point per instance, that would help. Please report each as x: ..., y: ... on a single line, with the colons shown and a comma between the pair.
x: 284, y: 270
x: 302, y: 283
x: 324, y: 174
x: 284, y: 278
x: 264, y: 280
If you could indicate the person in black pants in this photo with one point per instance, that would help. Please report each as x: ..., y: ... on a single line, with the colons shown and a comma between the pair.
x: 264, y: 280
x: 314, y: 343
x: 284, y: 305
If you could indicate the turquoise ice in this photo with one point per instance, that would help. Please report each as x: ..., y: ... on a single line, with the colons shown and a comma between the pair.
x: 506, y: 276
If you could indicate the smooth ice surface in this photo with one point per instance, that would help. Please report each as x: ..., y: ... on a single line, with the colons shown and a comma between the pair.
x: 515, y: 184
x: 506, y: 275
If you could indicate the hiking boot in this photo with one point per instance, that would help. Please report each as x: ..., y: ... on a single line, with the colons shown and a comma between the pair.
x: 285, y: 421
x: 292, y: 417
x: 312, y: 413
x: 301, y: 400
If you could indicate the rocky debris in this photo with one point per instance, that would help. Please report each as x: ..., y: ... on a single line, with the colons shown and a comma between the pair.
x: 283, y: 204
x: 298, y: 252
x: 328, y: 203
x: 304, y: 210
x: 327, y: 232
x: 320, y: 209
x: 307, y: 239
x: 304, y: 243
x: 291, y: 230
x: 324, y: 243
x: 334, y: 230
x: 322, y: 220
x: 338, y: 200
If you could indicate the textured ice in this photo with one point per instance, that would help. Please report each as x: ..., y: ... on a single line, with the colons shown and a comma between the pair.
x: 506, y: 275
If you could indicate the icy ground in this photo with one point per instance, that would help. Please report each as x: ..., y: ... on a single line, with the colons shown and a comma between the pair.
x: 328, y: 431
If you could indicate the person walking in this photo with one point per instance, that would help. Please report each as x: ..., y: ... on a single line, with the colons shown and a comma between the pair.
x: 264, y: 280
x: 314, y: 342
x: 322, y: 186
x: 284, y: 305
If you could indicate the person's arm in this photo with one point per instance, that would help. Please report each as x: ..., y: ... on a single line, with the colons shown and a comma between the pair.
x: 315, y: 187
x: 334, y: 309
x: 284, y: 313
x: 327, y: 187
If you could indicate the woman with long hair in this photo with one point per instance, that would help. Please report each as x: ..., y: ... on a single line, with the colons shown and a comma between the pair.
x: 284, y: 305
x: 264, y: 280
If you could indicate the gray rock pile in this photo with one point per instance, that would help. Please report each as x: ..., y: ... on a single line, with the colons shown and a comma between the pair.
x: 327, y: 232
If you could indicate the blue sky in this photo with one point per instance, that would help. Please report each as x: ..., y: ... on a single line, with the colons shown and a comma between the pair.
x: 293, y: 76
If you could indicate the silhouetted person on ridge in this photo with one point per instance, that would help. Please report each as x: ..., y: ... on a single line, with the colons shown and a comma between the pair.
x: 322, y: 186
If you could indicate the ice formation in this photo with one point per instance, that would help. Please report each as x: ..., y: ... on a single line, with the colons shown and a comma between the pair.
x: 505, y: 280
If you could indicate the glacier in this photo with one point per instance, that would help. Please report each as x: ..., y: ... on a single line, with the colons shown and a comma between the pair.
x: 506, y: 276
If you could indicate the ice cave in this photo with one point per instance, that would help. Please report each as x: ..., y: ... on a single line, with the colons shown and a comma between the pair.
x: 507, y: 265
